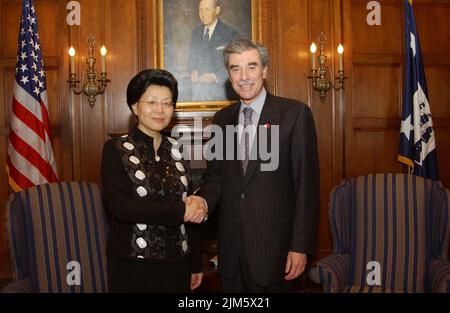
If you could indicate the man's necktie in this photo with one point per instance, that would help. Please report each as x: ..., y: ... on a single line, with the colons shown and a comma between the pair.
x: 247, y: 122
x: 206, y: 35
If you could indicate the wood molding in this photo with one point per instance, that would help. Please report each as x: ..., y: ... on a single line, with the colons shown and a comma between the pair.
x: 270, y: 39
x: 382, y: 2
x: 142, y: 53
x: 377, y: 59
x: 49, y: 62
x: 339, y: 102
x: 55, y: 131
x: 376, y: 124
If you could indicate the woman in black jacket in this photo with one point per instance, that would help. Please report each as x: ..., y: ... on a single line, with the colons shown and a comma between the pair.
x: 151, y: 246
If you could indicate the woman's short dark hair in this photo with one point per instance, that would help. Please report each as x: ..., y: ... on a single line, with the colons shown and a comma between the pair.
x: 139, y: 84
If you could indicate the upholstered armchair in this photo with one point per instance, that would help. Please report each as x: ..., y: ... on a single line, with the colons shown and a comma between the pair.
x: 57, y: 235
x: 399, y: 221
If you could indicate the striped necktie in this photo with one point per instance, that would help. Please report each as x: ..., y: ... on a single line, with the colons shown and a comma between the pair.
x: 247, y: 122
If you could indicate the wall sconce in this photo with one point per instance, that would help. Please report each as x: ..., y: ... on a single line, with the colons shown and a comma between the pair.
x: 92, y: 87
x: 323, y: 78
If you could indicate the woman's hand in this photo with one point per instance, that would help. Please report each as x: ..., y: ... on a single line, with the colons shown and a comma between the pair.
x: 196, y: 280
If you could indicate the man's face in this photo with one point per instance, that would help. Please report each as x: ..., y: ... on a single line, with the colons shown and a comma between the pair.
x: 247, y: 74
x: 208, y: 12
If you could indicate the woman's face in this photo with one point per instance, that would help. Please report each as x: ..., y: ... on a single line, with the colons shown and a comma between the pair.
x: 154, y: 109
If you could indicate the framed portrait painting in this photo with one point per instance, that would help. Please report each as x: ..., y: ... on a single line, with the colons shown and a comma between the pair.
x: 192, y: 35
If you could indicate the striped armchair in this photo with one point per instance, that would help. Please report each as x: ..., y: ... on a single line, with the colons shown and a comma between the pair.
x: 390, y: 234
x: 57, y: 235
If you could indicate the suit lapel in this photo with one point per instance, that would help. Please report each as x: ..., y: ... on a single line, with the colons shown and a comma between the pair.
x: 269, y: 115
x: 216, y: 34
x: 233, y: 119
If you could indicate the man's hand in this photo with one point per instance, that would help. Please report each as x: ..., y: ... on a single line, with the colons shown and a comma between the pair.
x: 208, y: 78
x: 196, y: 209
x: 194, y: 76
x: 295, y: 265
x: 196, y: 280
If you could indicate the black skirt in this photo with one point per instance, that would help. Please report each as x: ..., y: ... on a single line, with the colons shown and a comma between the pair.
x: 144, y: 276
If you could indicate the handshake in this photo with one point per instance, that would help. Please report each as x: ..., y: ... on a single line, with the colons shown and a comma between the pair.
x: 196, y: 210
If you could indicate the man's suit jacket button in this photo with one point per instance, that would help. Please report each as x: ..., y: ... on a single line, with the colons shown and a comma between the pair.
x: 237, y: 221
x: 242, y: 195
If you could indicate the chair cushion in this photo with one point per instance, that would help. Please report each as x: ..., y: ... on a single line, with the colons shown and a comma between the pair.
x: 63, y: 222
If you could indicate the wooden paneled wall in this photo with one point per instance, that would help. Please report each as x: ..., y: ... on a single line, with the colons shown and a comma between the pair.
x: 358, y: 130
x: 374, y: 63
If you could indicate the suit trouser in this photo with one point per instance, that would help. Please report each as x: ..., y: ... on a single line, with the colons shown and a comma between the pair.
x: 243, y: 280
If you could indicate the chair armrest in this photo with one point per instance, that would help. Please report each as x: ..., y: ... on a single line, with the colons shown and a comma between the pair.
x: 331, y: 272
x: 439, y: 276
x: 18, y: 286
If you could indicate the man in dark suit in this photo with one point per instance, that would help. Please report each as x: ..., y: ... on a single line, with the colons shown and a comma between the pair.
x: 208, y: 74
x: 267, y: 218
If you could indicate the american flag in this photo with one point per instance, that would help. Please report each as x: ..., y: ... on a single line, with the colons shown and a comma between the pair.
x: 417, y: 138
x: 30, y: 159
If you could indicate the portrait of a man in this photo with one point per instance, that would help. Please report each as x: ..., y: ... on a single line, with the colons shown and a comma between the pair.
x: 195, y: 34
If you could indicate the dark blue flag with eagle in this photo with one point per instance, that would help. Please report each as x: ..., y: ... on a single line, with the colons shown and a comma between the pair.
x: 417, y: 137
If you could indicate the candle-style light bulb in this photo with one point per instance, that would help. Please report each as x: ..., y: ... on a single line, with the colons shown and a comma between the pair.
x: 313, y: 50
x: 103, y: 53
x: 103, y: 50
x: 340, y: 51
x: 72, y: 60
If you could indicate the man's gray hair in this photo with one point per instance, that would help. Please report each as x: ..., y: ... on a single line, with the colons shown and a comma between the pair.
x: 241, y: 45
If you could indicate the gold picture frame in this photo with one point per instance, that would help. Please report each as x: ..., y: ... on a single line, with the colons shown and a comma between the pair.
x: 188, y: 19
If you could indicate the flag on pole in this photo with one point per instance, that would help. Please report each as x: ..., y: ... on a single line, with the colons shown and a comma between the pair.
x: 417, y: 138
x: 30, y: 159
